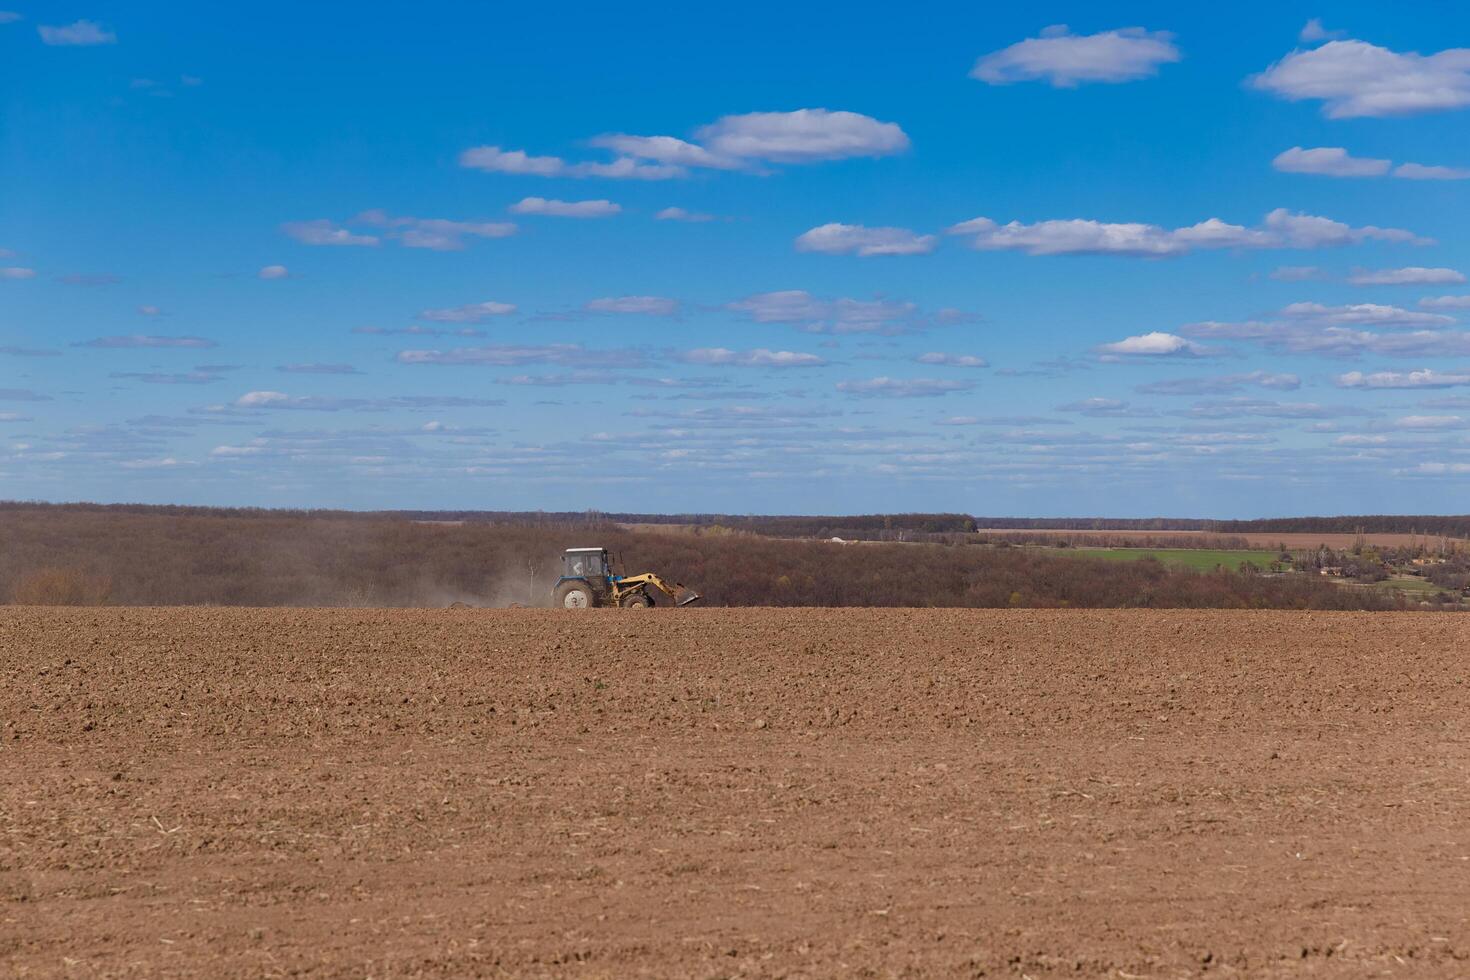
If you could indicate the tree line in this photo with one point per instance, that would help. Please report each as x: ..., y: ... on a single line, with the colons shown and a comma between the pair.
x: 165, y: 556
x: 854, y: 526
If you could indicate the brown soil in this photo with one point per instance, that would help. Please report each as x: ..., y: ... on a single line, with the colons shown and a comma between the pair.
x: 723, y: 793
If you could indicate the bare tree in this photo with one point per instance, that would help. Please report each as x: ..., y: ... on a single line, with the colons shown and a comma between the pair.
x: 532, y: 566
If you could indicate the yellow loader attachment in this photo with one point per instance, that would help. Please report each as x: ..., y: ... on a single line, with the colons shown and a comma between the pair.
x: 628, y: 588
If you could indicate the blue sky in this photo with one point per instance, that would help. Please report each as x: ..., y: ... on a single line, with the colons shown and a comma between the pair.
x: 1163, y: 260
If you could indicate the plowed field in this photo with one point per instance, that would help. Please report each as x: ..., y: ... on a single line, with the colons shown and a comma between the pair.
x: 730, y: 793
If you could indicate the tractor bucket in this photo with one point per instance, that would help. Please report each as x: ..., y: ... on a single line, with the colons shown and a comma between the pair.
x: 684, y: 595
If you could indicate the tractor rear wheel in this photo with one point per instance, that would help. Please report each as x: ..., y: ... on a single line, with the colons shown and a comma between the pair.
x: 574, y: 595
x: 637, y: 600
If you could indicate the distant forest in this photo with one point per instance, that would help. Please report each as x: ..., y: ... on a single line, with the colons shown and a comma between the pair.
x: 1455, y: 526
x: 855, y: 526
x: 80, y: 555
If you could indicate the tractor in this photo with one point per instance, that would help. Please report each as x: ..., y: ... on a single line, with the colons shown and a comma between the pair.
x: 587, y: 580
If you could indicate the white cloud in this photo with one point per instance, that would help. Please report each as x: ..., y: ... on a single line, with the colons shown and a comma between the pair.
x: 802, y: 136
x: 516, y: 355
x: 1330, y: 161
x: 760, y: 357
x: 273, y: 272
x: 840, y: 316
x: 318, y: 368
x: 1222, y: 384
x: 1426, y: 378
x: 1419, y: 171
x: 163, y: 463
x: 679, y: 214
x: 150, y: 310
x: 253, y: 401
x: 146, y: 340
x: 1334, y: 331
x: 677, y: 383
x: 82, y: 33
x: 1297, y: 273
x: 952, y: 360
x: 471, y: 313
x: 195, y: 377
x: 561, y: 380
x: 17, y: 272
x: 322, y: 231
x: 839, y: 239
x: 1440, y: 469
x: 1225, y: 408
x: 1355, y: 78
x: 9, y: 17
x: 1313, y: 31
x: 1445, y: 302
x: 738, y: 142
x: 566, y: 209
x: 1363, y: 315
x: 1408, y: 276
x: 1066, y: 60
x: 1079, y: 236
x: 783, y: 306
x: 645, y: 305
x: 419, y: 331
x: 1069, y: 237
x: 440, y: 234
x: 626, y: 168
x: 1335, y: 161
x: 1296, y: 230
x: 902, y: 387
x: 1313, y: 336
x: 494, y: 159
x: 1421, y: 422
x: 1214, y: 233
x: 1102, y: 408
x: 669, y: 150
x: 1418, y: 343
x: 1154, y: 344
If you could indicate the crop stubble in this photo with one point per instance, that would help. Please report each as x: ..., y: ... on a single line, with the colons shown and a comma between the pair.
x: 715, y: 793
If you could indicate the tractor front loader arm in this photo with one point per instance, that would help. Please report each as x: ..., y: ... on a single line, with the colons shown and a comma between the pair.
x: 681, y: 594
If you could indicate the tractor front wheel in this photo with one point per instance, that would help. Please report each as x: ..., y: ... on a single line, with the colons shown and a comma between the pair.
x: 637, y: 600
x: 574, y: 595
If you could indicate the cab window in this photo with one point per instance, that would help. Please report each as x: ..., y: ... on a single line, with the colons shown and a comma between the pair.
x: 584, y: 564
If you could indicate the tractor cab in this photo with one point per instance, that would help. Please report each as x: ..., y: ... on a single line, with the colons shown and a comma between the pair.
x: 585, y: 563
